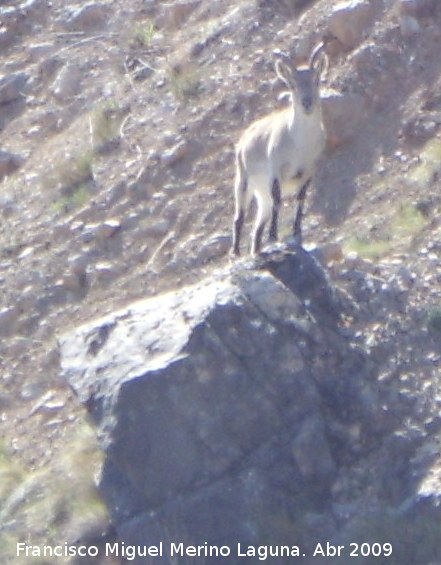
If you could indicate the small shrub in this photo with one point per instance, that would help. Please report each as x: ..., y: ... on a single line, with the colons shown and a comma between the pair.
x: 425, y: 173
x: 143, y: 34
x: 76, y: 199
x: 71, y: 172
x: 40, y: 507
x: 105, y: 122
x: 405, y: 223
x: 432, y: 152
x: 185, y: 82
x: 408, y: 221
x: 370, y: 249
x: 434, y: 319
x: 11, y: 474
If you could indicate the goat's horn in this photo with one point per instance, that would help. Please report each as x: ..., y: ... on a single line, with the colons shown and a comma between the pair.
x: 316, y: 52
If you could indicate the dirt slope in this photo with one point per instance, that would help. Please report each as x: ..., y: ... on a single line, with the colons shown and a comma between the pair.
x: 124, y: 134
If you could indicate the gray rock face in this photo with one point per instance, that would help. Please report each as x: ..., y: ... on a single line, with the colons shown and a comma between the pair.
x: 12, y: 86
x: 342, y: 113
x: 216, y: 404
x: 418, y: 8
x: 8, y: 163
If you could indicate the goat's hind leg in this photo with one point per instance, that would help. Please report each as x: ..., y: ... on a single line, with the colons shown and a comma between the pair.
x: 276, y: 196
x: 242, y: 199
x: 301, y: 197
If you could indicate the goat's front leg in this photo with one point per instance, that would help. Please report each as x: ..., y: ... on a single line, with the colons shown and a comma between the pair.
x: 297, y: 230
x: 277, y: 197
x: 264, y: 207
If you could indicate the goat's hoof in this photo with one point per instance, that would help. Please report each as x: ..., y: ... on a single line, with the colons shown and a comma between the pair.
x: 294, y: 241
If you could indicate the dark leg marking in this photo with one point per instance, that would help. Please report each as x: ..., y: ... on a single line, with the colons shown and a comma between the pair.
x: 276, y: 195
x: 239, y: 218
x: 237, y: 230
x: 298, y: 220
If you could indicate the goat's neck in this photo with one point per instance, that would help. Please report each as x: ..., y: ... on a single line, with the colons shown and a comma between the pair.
x: 300, y: 118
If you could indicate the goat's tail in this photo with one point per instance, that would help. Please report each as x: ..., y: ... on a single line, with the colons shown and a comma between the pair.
x: 242, y: 200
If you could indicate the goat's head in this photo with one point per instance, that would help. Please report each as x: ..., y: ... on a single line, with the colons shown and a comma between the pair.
x: 303, y: 81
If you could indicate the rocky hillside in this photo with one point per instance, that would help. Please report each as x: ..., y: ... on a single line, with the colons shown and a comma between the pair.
x: 118, y: 124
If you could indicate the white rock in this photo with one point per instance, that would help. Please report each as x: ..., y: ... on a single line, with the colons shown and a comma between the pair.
x: 216, y: 246
x: 101, y: 231
x: 68, y: 82
x: 19, y: 346
x: 350, y: 20
x: 105, y: 272
x: 90, y: 16
x: 28, y: 299
x: 409, y: 26
x: 8, y: 317
x: 78, y: 264
x: 71, y: 282
x: 175, y: 154
x: 174, y: 14
x: 158, y: 228
x: 39, y: 50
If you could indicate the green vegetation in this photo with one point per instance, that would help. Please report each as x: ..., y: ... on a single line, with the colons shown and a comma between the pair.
x: 185, y: 82
x: 370, y: 249
x: 434, y: 319
x: 71, y: 177
x: 11, y: 474
x: 406, y: 223
x: 105, y: 123
x: 143, y: 34
x: 70, y: 173
x: 71, y: 180
x: 51, y: 505
x: 424, y: 174
x: 76, y: 199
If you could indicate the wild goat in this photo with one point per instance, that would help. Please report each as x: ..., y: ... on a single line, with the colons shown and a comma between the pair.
x: 278, y: 153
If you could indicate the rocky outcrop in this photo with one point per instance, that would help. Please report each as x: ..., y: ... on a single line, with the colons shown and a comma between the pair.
x: 12, y: 86
x: 223, y: 408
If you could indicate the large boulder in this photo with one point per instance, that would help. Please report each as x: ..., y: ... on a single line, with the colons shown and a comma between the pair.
x: 222, y: 407
x: 349, y: 21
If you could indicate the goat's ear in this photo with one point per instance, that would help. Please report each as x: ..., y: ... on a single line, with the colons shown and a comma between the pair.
x: 284, y: 73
